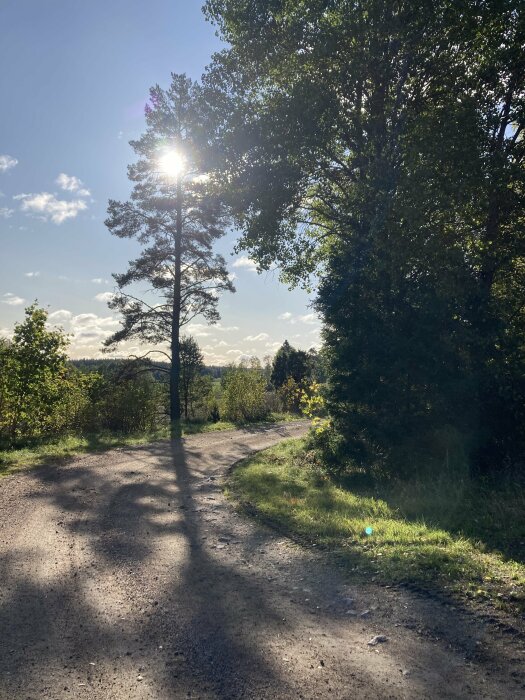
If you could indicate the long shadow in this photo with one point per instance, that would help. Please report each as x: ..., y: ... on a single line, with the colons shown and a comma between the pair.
x: 213, y: 604
x: 207, y: 630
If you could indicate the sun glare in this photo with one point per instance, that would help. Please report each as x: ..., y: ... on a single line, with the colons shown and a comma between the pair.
x: 172, y: 164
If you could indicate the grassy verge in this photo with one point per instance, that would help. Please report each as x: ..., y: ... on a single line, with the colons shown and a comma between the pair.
x: 68, y: 446
x: 407, y: 543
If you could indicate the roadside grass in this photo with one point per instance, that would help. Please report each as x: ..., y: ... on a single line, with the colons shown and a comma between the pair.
x: 65, y: 447
x: 413, y: 540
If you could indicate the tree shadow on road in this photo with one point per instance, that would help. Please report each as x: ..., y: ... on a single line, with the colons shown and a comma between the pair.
x: 146, y: 534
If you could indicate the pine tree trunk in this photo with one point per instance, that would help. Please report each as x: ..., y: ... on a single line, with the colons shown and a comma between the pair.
x: 175, y: 412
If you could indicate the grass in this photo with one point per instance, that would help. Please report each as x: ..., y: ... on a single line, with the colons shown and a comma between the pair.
x: 66, y: 447
x: 412, y: 541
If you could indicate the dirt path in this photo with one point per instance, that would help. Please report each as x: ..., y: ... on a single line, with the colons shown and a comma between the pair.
x: 128, y: 576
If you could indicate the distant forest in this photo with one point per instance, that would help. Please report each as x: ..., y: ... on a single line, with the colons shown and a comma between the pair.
x: 106, y: 365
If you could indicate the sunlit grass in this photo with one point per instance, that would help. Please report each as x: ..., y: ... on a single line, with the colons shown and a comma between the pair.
x: 282, y: 488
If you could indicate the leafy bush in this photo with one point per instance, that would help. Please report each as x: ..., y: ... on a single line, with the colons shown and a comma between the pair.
x: 40, y: 393
x: 243, y: 397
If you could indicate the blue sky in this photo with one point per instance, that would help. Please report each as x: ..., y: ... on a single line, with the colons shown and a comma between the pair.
x: 74, y: 82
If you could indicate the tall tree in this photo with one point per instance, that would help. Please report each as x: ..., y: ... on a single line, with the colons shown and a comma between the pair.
x: 176, y: 218
x: 381, y: 143
x: 289, y: 363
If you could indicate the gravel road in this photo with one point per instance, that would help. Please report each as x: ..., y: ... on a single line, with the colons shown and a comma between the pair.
x: 128, y: 576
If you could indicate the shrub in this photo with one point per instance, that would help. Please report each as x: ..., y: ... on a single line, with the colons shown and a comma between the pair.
x: 243, y: 398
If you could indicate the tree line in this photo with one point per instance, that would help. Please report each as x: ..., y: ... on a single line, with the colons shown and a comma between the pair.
x: 44, y: 395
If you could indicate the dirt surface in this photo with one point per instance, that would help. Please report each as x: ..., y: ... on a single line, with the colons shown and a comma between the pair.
x: 129, y: 576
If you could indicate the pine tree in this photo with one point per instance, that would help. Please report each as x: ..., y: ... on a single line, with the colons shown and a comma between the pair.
x: 175, y: 216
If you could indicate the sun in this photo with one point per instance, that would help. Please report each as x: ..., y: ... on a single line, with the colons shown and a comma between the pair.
x: 172, y: 164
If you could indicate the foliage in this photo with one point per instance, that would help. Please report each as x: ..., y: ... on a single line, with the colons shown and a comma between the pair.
x: 289, y: 363
x: 290, y: 393
x: 435, y: 533
x: 381, y: 145
x: 312, y: 402
x: 133, y: 405
x: 191, y: 365
x: 243, y: 395
x: 40, y: 394
x: 176, y: 219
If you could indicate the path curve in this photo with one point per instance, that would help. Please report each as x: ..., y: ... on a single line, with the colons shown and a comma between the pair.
x: 128, y: 576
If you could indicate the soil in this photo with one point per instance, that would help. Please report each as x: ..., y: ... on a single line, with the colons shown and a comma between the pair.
x: 128, y: 575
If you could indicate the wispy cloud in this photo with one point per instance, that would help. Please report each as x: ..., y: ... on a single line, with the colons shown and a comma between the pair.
x: 260, y: 336
x: 12, y: 299
x: 60, y: 316
x: 309, y: 318
x: 7, y: 162
x: 70, y: 183
x: 99, y: 280
x: 49, y: 207
x: 246, y: 263
x: 31, y: 274
x: 5, y: 212
x: 104, y: 296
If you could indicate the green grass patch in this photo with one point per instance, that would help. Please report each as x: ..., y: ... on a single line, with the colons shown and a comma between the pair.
x: 62, y: 448
x: 409, y: 542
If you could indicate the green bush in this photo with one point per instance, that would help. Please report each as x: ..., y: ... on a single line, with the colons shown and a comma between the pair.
x: 243, y: 397
x: 40, y: 393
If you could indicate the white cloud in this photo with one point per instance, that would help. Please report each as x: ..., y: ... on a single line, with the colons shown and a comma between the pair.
x: 81, y: 321
x: 260, y: 336
x: 309, y: 318
x: 31, y: 274
x: 99, y: 280
x: 120, y: 134
x: 225, y: 329
x: 285, y: 317
x: 104, y: 296
x: 6, y: 334
x: 245, y: 262
x: 49, y: 207
x: 273, y: 346
x: 60, y: 316
x: 201, y: 329
x: 12, y: 299
x: 70, y: 183
x: 5, y: 212
x: 7, y: 162
x: 234, y: 352
x: 223, y: 344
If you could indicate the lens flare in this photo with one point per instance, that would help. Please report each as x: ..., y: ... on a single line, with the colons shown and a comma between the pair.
x: 172, y: 164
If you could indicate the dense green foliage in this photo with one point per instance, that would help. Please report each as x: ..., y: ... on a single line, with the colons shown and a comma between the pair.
x: 289, y: 363
x: 243, y: 394
x: 380, y: 144
x: 42, y: 395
